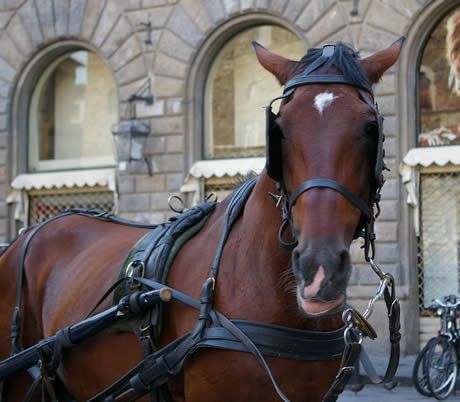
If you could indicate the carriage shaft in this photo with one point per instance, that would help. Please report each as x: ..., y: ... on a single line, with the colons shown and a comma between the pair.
x: 84, y: 329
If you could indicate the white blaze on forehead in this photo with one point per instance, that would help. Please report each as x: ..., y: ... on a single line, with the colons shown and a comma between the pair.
x: 323, y: 101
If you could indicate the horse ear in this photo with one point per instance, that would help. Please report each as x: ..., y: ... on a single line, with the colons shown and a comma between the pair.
x: 279, y: 66
x: 374, y: 66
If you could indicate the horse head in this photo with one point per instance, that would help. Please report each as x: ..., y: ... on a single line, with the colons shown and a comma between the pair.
x: 324, y: 148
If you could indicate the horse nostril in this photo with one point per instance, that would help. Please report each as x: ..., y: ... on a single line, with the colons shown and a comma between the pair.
x: 344, y: 260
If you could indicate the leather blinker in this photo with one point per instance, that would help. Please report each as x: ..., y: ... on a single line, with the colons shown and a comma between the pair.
x: 273, y: 137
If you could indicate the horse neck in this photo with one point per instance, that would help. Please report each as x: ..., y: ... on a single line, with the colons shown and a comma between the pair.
x: 256, y: 263
x: 262, y: 223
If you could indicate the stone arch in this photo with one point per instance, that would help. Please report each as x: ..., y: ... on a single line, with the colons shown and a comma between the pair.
x: 103, y: 24
x: 222, y: 22
x: 39, y: 34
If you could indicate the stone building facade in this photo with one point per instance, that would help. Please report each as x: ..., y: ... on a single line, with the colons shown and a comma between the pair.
x: 184, y: 39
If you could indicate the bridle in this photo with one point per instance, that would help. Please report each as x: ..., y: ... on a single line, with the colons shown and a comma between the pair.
x: 369, y: 210
x: 357, y: 326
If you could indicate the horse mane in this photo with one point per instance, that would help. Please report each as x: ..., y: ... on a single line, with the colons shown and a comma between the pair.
x: 240, y: 180
x: 345, y: 59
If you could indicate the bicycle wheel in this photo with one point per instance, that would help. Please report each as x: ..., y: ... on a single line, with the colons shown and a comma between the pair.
x: 441, y: 366
x: 419, y: 372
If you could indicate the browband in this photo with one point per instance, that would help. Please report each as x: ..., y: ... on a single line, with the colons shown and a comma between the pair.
x: 324, y: 79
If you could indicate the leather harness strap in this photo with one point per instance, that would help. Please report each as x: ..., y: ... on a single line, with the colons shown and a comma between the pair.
x: 243, y: 336
x: 213, y: 330
x: 354, y: 351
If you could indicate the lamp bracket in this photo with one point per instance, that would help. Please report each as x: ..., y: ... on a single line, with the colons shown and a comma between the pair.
x: 148, y: 26
x: 354, y: 10
x: 147, y: 99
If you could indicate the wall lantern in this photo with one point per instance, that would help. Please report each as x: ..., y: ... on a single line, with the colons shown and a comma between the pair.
x: 130, y: 133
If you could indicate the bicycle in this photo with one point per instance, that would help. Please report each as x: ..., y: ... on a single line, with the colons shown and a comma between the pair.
x: 436, y: 367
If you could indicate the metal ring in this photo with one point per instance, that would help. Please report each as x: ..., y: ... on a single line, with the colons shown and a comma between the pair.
x: 181, y: 208
x: 213, y: 280
x: 130, y: 269
x: 346, y: 316
x: 142, y: 329
x: 391, y: 307
x: 347, y: 336
x: 210, y: 196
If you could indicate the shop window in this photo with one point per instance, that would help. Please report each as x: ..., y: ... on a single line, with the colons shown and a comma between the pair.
x: 439, y: 84
x: 72, y: 108
x: 237, y: 89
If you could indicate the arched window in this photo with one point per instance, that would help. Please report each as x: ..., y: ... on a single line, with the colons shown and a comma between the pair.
x: 72, y: 108
x: 237, y: 88
x: 436, y: 162
x: 439, y: 84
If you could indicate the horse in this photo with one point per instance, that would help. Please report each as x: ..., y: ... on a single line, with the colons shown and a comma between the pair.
x: 325, y: 130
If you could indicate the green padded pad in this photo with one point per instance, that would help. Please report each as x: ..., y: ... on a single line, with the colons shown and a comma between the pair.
x: 159, y: 240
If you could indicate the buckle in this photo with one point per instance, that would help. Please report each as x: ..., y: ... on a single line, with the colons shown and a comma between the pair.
x: 328, y: 48
x: 356, y: 320
x: 132, y: 266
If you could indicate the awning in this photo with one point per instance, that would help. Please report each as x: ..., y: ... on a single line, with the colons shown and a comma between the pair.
x: 69, y: 179
x: 226, y: 167
x: 49, y: 180
x: 427, y: 156
x: 424, y: 157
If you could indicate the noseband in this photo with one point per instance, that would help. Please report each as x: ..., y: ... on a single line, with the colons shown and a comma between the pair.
x: 274, y: 165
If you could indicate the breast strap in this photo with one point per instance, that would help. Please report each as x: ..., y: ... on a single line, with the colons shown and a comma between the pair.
x: 237, y: 335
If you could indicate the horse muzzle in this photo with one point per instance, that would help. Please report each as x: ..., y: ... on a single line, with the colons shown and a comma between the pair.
x: 322, y: 276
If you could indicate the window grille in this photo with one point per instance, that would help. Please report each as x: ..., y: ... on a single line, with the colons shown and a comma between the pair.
x: 221, y: 188
x: 43, y: 205
x: 438, y: 248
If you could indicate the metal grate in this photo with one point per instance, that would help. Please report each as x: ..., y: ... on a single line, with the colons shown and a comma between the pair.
x: 46, y: 205
x: 439, y: 244
x: 221, y: 189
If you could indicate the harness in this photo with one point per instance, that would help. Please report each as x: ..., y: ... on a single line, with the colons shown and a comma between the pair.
x: 357, y: 325
x: 213, y: 329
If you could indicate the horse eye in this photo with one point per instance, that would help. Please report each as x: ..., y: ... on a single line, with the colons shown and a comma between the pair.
x: 371, y: 129
x: 277, y: 128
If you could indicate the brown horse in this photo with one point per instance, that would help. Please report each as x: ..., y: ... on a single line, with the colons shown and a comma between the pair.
x: 326, y: 131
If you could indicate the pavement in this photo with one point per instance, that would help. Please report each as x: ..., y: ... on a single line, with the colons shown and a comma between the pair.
x: 403, y: 392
